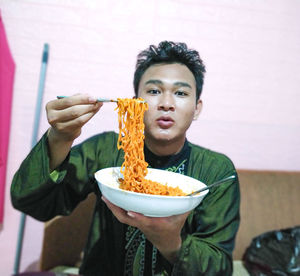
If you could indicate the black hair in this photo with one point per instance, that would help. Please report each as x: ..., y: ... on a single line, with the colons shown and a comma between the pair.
x: 170, y: 52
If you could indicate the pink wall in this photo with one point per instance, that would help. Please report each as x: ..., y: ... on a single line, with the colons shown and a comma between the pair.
x: 251, y: 93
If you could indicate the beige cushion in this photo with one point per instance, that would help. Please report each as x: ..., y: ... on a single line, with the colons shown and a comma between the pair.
x: 65, y: 237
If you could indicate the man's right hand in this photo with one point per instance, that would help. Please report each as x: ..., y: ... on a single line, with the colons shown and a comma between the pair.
x: 67, y: 116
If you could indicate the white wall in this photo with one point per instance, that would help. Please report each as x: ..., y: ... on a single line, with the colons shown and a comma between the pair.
x: 251, y: 92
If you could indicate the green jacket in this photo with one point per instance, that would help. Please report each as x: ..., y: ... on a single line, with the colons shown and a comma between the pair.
x: 208, y: 234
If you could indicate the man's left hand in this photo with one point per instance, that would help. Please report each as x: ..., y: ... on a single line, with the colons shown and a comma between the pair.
x: 162, y: 232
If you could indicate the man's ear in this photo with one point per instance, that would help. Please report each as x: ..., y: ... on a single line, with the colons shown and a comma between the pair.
x: 198, y: 109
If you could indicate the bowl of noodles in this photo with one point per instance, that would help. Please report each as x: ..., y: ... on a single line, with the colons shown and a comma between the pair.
x: 155, y: 204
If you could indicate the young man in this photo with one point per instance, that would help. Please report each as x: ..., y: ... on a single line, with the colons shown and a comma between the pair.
x: 55, y: 177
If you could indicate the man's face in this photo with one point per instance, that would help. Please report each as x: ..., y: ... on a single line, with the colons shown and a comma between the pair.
x: 170, y: 91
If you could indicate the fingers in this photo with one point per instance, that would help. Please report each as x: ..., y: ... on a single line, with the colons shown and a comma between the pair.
x: 71, y: 107
x: 72, y: 112
x: 119, y: 213
x: 126, y: 217
x: 68, y: 115
x: 143, y: 222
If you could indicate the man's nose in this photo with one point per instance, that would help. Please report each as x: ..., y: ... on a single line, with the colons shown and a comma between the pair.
x: 166, y: 102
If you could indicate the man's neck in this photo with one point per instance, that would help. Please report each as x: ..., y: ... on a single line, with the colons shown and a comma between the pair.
x: 163, y: 148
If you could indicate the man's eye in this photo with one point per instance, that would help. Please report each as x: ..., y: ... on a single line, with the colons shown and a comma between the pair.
x: 153, y: 91
x: 181, y: 93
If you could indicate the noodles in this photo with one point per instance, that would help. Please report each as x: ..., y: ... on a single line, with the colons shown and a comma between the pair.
x: 131, y: 140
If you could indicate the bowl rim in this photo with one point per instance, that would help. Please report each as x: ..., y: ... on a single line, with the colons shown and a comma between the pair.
x: 202, y: 194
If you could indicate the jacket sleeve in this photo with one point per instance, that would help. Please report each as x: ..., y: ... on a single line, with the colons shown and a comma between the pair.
x: 209, y: 232
x: 44, y: 195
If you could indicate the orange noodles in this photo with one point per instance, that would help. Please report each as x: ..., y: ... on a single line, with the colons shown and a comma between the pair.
x: 131, y: 140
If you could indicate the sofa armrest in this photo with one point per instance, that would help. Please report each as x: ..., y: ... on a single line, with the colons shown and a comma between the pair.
x: 269, y: 201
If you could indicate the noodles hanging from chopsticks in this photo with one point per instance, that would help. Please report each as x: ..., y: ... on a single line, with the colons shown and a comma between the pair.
x: 131, y: 140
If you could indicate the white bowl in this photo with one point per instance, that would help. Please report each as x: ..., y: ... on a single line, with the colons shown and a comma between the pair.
x: 146, y: 204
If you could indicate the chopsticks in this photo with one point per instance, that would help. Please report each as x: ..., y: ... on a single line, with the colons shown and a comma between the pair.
x: 99, y: 99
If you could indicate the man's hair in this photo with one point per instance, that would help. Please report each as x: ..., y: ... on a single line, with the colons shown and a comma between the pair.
x: 168, y: 52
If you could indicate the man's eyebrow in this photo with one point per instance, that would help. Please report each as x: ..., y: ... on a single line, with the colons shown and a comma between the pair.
x: 178, y: 83
x: 184, y: 84
x: 154, y: 82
